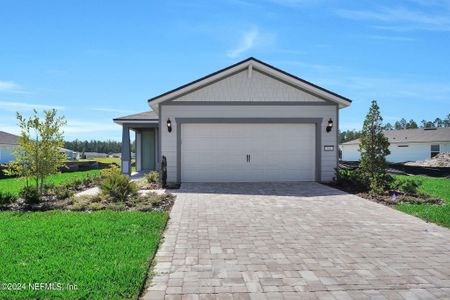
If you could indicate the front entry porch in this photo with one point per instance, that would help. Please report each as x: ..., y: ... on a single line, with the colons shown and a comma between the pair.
x: 146, y: 149
x: 145, y: 127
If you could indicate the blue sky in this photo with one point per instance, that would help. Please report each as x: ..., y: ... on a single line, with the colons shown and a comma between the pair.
x: 95, y: 60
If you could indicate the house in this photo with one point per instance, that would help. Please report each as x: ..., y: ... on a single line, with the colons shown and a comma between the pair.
x: 90, y: 155
x: 248, y: 122
x: 71, y: 155
x: 8, y: 142
x: 406, y: 144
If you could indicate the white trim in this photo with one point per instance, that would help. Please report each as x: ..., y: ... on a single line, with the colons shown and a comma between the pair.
x: 120, y: 122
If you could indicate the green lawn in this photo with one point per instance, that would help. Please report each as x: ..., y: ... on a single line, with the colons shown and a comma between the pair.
x: 439, y: 214
x: 14, y: 185
x: 106, y: 160
x: 106, y: 254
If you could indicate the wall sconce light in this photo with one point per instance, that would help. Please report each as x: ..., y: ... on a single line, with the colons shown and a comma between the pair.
x: 169, y: 125
x: 330, y: 125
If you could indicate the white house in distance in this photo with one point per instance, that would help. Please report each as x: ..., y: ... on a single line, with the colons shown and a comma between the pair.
x: 406, y: 144
x: 248, y: 122
x: 8, y: 142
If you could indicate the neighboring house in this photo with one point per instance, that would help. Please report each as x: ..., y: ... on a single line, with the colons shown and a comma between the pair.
x: 248, y: 122
x: 71, y: 155
x: 95, y: 155
x: 115, y: 155
x: 8, y: 142
x: 406, y: 144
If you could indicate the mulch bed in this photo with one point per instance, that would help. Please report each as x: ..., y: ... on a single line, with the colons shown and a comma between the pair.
x: 391, y: 198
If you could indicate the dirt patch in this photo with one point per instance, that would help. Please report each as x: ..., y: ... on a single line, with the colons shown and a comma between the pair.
x: 440, y: 160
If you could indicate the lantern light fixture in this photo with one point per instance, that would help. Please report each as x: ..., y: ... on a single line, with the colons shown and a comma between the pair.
x: 169, y: 125
x: 330, y: 125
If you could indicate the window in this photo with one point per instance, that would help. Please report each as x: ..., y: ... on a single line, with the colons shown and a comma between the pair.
x: 434, y: 150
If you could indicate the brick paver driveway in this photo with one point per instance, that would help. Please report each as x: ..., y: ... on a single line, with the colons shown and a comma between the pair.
x: 296, y: 241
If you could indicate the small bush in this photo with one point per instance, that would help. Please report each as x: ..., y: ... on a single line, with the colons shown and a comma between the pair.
x: 30, y: 195
x: 164, y: 171
x: 7, y: 198
x: 118, y: 187
x: 406, y: 185
x: 90, y: 180
x: 95, y: 206
x: 108, y: 172
x: 63, y: 192
x: 152, y: 177
x: 352, y: 178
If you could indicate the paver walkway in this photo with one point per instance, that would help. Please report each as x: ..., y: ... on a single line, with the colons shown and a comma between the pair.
x: 296, y: 241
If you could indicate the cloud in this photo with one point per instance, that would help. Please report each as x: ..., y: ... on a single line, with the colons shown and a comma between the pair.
x: 401, y: 19
x: 22, y: 106
x: 290, y: 3
x: 391, y: 38
x: 391, y: 88
x: 286, y: 3
x: 113, y: 110
x: 11, y: 87
x: 78, y: 126
x: 248, y: 41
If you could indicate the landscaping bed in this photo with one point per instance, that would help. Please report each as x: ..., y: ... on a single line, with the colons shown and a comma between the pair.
x: 421, y: 196
x: 116, y: 192
x: 14, y: 185
x: 72, y: 255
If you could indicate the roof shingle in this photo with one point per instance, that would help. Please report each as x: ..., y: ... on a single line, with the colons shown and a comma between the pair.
x: 418, y: 135
x: 8, y: 138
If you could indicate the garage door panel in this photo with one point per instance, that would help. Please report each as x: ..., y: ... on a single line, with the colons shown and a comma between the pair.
x: 218, y: 152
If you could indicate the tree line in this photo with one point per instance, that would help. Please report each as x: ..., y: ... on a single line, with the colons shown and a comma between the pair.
x: 348, y: 135
x: 108, y: 146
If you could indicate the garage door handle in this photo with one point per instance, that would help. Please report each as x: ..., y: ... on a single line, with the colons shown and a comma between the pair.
x: 249, y: 158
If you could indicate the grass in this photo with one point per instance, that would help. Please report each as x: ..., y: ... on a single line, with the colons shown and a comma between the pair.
x: 14, y: 185
x: 110, y: 160
x: 106, y: 160
x: 106, y: 255
x: 439, y: 214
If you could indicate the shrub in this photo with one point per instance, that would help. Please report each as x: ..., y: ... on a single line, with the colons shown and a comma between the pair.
x: 7, y: 198
x: 406, y: 185
x: 164, y: 171
x: 108, y: 172
x: 63, y: 192
x: 30, y: 195
x: 95, y: 206
x: 90, y: 180
x: 352, y: 178
x: 152, y: 177
x: 118, y: 187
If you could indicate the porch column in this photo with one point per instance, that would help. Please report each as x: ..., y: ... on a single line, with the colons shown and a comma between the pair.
x: 126, y: 150
x: 138, y: 151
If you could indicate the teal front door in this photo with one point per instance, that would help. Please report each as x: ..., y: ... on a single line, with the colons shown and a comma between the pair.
x: 148, y: 150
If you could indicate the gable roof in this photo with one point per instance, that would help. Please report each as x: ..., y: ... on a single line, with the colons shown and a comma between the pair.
x: 8, y: 138
x: 419, y: 135
x: 143, y: 116
x: 256, y: 64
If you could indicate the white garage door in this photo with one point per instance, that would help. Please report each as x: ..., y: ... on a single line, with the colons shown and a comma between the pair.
x: 247, y: 152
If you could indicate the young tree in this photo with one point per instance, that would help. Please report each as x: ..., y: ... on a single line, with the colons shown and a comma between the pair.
x: 374, y: 148
x: 38, y: 154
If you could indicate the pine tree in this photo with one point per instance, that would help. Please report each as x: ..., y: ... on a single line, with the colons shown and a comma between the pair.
x: 374, y: 148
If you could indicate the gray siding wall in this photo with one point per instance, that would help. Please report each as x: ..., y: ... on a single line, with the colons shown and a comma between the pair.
x: 242, y: 87
x: 169, y: 140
